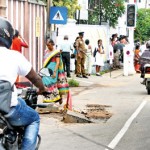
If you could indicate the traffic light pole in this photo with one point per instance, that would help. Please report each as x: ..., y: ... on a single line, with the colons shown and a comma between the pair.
x: 131, y: 35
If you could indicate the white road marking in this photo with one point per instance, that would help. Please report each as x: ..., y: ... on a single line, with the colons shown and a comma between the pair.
x: 121, y: 133
x: 85, y: 81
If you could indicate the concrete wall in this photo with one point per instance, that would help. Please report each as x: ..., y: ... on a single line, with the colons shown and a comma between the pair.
x: 91, y: 32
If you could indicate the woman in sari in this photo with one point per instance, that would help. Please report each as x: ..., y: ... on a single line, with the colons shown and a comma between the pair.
x: 56, y: 83
x: 136, y: 58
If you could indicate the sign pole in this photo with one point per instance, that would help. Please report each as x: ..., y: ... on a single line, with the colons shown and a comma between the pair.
x: 37, y: 41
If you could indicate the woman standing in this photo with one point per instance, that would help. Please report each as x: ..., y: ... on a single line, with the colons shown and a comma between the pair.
x: 99, y: 62
x: 57, y: 83
x: 136, y: 58
x: 88, y: 61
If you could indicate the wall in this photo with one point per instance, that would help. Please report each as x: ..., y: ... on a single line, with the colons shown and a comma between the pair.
x: 22, y: 14
x: 91, y: 32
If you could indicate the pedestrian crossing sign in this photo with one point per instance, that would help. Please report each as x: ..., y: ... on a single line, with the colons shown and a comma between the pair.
x: 58, y: 15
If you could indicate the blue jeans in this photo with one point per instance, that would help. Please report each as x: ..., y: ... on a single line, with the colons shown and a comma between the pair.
x: 23, y: 115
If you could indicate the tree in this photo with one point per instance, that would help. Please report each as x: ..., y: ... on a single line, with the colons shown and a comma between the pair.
x: 142, y: 30
x: 106, y: 10
x: 72, y: 6
x: 101, y: 10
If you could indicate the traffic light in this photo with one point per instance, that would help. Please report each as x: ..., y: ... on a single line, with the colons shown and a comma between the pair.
x: 131, y: 15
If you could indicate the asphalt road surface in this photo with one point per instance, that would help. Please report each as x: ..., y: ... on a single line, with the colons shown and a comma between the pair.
x: 127, y: 129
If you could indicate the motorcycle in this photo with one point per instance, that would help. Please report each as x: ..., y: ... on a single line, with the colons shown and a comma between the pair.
x: 147, y: 77
x: 10, y: 136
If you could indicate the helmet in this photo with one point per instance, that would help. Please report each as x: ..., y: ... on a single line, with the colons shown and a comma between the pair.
x: 6, y: 32
x: 148, y: 44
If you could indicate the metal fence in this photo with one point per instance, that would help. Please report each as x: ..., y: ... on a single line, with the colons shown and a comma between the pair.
x: 29, y: 17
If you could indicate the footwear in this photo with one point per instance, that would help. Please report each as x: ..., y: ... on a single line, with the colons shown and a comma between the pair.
x: 84, y: 76
x: 69, y: 76
x: 79, y: 76
x: 97, y: 74
x: 143, y: 82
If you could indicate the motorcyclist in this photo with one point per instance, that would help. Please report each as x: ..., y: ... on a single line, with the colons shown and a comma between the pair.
x: 145, y: 59
x: 12, y: 64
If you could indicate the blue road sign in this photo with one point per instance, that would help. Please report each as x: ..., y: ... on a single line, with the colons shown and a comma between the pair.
x: 58, y: 15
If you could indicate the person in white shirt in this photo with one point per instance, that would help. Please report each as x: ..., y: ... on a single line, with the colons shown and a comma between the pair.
x: 88, y: 61
x: 12, y: 64
x: 66, y: 48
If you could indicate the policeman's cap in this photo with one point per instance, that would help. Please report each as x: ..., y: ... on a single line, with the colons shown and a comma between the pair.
x: 81, y: 33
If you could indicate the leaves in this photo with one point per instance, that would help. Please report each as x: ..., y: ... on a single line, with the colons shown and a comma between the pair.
x: 108, y: 10
x: 72, y: 6
x: 102, y: 10
x: 142, y: 30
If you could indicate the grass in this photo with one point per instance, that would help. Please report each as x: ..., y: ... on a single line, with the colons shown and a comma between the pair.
x: 73, y: 83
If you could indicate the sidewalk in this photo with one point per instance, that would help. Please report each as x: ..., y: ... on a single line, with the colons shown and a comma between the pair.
x: 79, y: 94
x: 93, y: 78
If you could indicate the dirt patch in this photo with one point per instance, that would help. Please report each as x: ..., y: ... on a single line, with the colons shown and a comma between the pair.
x: 97, y: 111
x: 93, y: 111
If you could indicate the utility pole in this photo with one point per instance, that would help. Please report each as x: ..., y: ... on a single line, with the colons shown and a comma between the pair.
x: 100, y: 13
x: 3, y: 8
x: 48, y: 29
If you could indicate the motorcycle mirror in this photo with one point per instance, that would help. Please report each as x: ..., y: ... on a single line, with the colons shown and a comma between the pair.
x: 46, y: 72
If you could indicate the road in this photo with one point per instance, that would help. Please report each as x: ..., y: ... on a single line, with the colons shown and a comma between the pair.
x: 128, y: 128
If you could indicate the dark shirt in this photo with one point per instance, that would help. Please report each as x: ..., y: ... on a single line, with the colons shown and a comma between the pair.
x: 145, y: 58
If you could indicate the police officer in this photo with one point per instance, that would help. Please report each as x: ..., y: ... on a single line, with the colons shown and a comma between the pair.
x: 81, y: 56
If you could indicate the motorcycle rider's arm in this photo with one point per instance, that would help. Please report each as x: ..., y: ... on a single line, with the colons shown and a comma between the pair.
x: 36, y: 80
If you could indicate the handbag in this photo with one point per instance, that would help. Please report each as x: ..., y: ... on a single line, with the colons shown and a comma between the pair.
x: 73, y: 55
x: 5, y: 96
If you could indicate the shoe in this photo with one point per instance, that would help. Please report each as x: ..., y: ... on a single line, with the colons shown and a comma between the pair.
x: 97, y: 74
x: 84, y: 76
x: 79, y: 76
x: 143, y: 82
x: 69, y: 76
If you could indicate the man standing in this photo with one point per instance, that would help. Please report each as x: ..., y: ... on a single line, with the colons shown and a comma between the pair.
x: 81, y: 56
x: 118, y: 51
x: 18, y: 42
x: 65, y: 48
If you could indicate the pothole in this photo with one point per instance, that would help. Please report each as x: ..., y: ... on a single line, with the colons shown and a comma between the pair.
x: 93, y: 113
x: 96, y: 111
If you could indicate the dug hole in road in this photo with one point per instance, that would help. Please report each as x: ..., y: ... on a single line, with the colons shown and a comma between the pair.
x: 115, y: 98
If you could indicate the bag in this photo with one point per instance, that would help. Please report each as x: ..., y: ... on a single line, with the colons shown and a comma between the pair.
x: 5, y: 96
x: 73, y: 55
x: 94, y: 53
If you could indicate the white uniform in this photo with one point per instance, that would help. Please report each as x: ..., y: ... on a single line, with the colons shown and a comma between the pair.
x: 12, y: 64
x: 99, y: 60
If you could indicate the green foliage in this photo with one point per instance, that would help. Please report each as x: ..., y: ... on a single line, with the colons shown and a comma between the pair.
x: 72, y: 6
x: 109, y: 11
x: 73, y: 83
x: 142, y: 30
